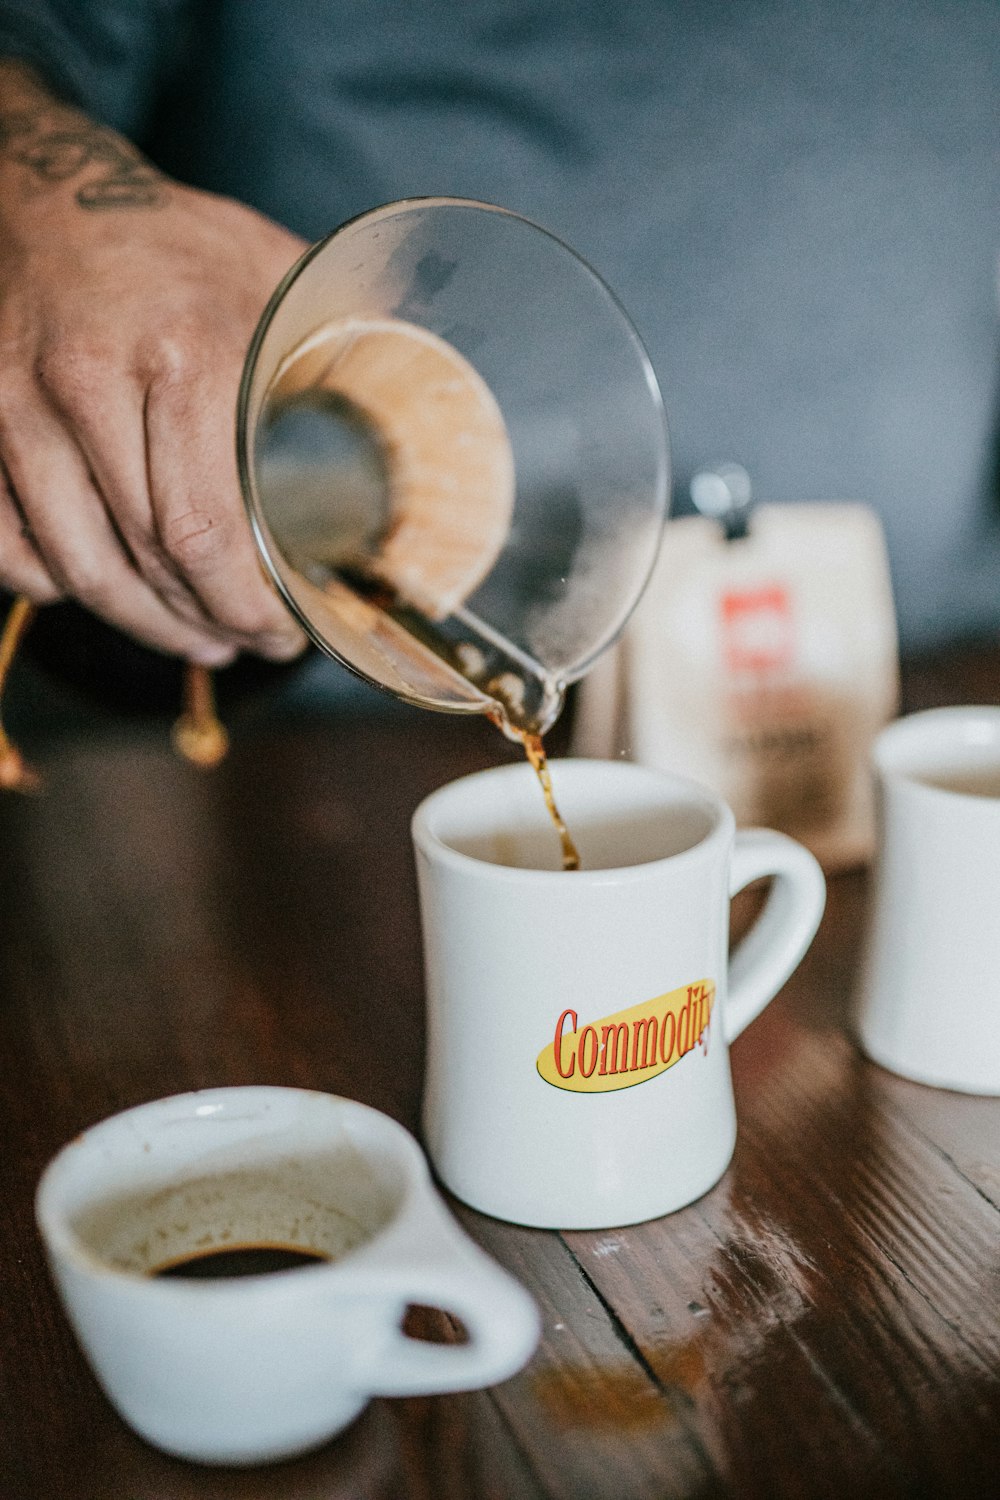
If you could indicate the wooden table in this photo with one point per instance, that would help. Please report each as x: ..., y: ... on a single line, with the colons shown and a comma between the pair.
x: 825, y: 1322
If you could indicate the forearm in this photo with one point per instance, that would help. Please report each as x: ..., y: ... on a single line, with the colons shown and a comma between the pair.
x: 54, y: 158
x: 21, y: 87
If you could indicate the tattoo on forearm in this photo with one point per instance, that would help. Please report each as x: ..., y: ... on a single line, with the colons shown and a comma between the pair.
x: 109, y: 171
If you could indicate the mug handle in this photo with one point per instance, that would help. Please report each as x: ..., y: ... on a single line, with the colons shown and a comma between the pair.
x: 766, y: 955
x: 432, y: 1262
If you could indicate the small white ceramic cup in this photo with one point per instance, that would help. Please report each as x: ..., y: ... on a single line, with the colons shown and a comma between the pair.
x: 577, y: 1060
x: 928, y: 997
x: 260, y: 1367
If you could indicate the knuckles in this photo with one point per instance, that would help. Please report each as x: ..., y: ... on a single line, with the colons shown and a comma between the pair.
x: 183, y: 353
x: 187, y: 351
x: 39, y: 590
x: 74, y: 374
x: 178, y: 355
x: 200, y: 546
x: 195, y: 539
x: 22, y: 573
x: 83, y: 579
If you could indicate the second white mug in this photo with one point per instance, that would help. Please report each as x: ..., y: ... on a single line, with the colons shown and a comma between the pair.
x: 928, y: 999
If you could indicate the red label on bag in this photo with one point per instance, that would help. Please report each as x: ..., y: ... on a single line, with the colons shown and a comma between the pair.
x: 757, y: 628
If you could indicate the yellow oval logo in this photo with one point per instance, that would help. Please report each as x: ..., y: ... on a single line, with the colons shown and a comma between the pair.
x: 631, y: 1046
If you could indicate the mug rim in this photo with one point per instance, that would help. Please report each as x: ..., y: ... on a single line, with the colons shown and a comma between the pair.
x: 889, y: 749
x: 434, y: 846
x: 63, y: 1242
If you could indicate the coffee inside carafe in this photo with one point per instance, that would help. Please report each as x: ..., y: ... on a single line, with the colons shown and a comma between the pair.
x: 384, y: 454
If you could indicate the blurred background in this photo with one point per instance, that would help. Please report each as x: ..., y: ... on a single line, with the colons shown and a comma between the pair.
x: 798, y: 202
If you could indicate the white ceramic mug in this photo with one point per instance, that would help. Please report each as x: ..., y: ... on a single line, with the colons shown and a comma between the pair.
x: 257, y: 1367
x: 928, y: 999
x: 578, y: 1022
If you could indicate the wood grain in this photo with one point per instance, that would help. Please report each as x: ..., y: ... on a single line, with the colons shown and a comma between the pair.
x: 825, y: 1322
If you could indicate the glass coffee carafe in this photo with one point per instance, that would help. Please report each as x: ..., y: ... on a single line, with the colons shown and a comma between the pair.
x: 454, y: 456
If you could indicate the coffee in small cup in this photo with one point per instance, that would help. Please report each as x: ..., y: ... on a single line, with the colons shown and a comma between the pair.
x: 237, y: 1264
x: 282, y: 1213
x: 241, y: 1260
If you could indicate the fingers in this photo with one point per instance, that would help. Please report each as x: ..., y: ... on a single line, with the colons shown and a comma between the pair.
x: 103, y: 411
x: 132, y: 501
x: 75, y: 540
x: 197, y: 509
x: 22, y: 570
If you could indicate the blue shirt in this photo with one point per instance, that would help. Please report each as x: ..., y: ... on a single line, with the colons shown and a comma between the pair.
x: 798, y: 201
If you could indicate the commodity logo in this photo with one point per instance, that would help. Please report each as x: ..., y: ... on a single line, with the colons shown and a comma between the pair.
x: 630, y: 1047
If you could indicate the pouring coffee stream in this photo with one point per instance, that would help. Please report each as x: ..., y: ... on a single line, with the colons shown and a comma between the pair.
x: 535, y: 751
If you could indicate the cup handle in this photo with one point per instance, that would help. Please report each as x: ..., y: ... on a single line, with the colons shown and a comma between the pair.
x: 434, y: 1263
x: 766, y: 955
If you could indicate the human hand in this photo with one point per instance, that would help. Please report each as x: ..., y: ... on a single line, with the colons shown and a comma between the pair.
x: 127, y: 302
